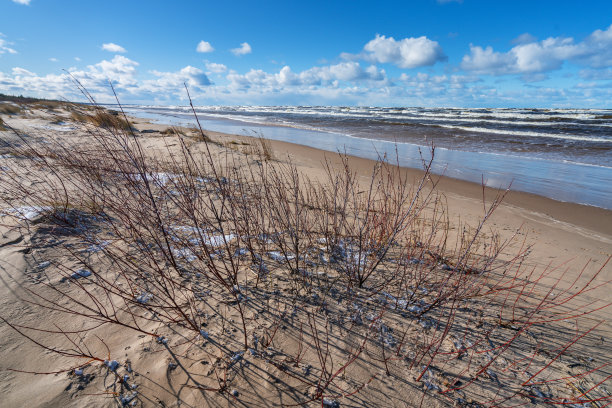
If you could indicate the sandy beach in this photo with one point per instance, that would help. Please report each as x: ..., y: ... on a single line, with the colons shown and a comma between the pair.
x: 567, y: 243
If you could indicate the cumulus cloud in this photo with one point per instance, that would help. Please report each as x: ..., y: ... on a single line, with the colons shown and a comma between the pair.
x: 52, y: 59
x: 204, y: 46
x: 216, y: 68
x: 4, y: 46
x: 118, y: 67
x: 244, y: 48
x: 598, y: 49
x: 347, y: 82
x: 24, y: 2
x: 533, y: 57
x: 121, y: 70
x: 485, y: 60
x: 406, y: 53
x: 174, y: 81
x: 112, y: 47
x: 314, y: 77
x: 95, y: 78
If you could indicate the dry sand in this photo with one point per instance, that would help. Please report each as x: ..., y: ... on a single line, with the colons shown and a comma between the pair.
x: 562, y: 235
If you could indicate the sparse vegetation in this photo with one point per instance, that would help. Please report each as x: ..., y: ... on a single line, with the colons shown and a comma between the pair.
x: 24, y: 99
x: 286, y: 289
x: 9, y: 109
x: 265, y: 147
x: 173, y: 131
x: 51, y: 105
x: 102, y: 118
x: 260, y: 147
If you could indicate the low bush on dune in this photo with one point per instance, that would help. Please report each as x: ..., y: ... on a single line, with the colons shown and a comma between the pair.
x: 286, y: 289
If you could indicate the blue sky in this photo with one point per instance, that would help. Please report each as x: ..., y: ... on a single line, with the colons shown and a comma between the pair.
x: 468, y: 53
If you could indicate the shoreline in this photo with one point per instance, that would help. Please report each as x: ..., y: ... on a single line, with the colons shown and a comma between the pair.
x: 585, y: 216
x: 573, y: 237
x: 562, y: 181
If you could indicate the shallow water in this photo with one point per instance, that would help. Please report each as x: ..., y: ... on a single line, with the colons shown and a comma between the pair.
x: 561, y: 154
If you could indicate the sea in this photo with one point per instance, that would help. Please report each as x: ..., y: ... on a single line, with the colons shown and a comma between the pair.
x: 563, y: 154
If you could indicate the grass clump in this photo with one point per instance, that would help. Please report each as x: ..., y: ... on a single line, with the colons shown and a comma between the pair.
x: 52, y: 106
x: 9, y: 109
x: 260, y: 148
x: 172, y: 131
x: 103, y: 119
x: 265, y: 148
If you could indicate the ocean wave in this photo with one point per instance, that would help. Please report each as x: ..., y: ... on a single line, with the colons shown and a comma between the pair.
x: 585, y: 138
x: 427, y: 112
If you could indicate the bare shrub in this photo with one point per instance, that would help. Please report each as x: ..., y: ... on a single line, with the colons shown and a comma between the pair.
x: 325, y: 285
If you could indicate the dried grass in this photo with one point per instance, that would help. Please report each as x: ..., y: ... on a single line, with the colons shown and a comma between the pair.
x: 102, y: 118
x: 9, y: 109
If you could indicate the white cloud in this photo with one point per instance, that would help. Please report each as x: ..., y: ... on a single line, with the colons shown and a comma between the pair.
x: 485, y: 60
x: 244, y: 48
x: 598, y: 52
x: 173, y: 82
x: 204, y: 46
x: 344, y: 83
x: 53, y: 59
x: 95, y: 78
x: 314, y: 77
x: 406, y: 53
x: 4, y: 46
x: 532, y: 57
x: 216, y: 68
x: 112, y: 47
x: 119, y: 66
x: 22, y: 72
x: 77, y: 59
x: 24, y: 2
x: 352, y: 71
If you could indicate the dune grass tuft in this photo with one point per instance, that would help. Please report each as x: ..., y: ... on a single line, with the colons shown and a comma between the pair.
x: 170, y: 131
x: 9, y: 109
x: 102, y: 119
